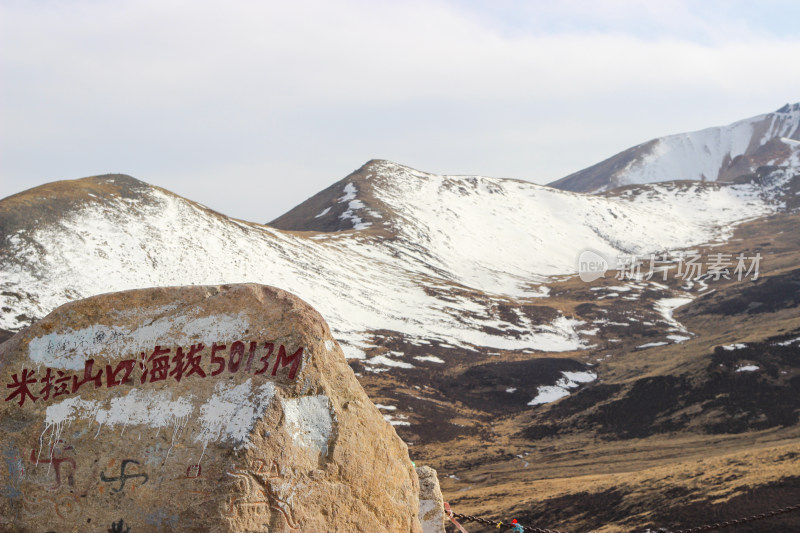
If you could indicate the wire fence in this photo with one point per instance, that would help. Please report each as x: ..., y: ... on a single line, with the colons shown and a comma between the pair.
x: 516, y: 527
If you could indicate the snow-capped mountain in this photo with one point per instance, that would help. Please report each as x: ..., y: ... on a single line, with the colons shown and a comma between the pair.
x: 425, y: 255
x: 713, y: 154
x: 457, y: 301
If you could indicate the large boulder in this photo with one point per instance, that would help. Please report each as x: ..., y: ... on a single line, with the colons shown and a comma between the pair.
x: 220, y: 409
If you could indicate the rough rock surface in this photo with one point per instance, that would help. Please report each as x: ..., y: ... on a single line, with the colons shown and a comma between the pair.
x: 226, y: 408
x: 431, y: 502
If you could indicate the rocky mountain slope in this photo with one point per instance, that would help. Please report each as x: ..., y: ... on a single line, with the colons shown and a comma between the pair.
x: 430, y: 257
x: 620, y: 402
x: 672, y: 434
x: 714, y: 154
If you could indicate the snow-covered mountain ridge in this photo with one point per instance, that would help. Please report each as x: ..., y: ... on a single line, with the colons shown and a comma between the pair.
x: 428, y: 256
x: 457, y: 302
x: 713, y: 154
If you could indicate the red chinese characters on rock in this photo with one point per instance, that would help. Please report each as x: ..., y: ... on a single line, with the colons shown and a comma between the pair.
x: 161, y: 364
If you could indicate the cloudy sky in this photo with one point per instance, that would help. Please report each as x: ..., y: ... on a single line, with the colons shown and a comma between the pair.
x: 252, y: 106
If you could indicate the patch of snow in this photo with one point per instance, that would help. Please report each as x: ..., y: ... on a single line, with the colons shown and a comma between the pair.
x: 790, y: 142
x: 666, y: 307
x: 578, y: 377
x: 396, y: 420
x: 323, y: 212
x: 350, y: 191
x: 511, y: 390
x: 548, y: 394
x: 678, y: 338
x: 787, y: 343
x: 748, y: 368
x: 606, y: 322
x: 571, y: 380
x: 356, y: 220
x: 652, y: 345
x: 353, y: 205
x: 429, y: 358
x: 383, y: 360
x: 735, y: 346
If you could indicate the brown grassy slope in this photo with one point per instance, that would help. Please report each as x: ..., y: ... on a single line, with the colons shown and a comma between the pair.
x: 669, y: 436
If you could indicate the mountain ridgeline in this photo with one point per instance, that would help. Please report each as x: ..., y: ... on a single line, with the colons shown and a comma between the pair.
x: 715, y: 154
x: 626, y: 401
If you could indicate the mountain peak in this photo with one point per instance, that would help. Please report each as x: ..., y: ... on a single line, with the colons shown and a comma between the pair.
x: 49, y: 203
x: 724, y: 153
x: 81, y: 187
x: 348, y: 204
x: 789, y: 108
x: 383, y: 166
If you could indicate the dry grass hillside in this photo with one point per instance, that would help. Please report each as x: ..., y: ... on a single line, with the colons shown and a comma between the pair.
x: 668, y: 436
